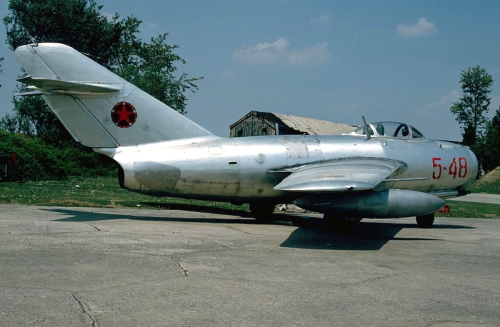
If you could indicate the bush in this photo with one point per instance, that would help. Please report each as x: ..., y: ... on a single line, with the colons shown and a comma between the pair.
x: 39, y: 161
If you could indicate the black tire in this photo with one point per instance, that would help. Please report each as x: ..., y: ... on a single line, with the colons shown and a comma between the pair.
x: 340, y: 223
x: 425, y: 221
x: 262, y: 211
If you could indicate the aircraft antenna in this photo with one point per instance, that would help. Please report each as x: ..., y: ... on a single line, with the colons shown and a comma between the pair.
x: 367, y: 131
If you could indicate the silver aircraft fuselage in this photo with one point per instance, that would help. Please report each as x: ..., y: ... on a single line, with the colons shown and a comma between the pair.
x: 246, y: 169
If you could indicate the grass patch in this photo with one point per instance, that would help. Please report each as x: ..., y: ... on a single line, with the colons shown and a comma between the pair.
x: 94, y: 192
x: 489, y: 183
x: 460, y: 209
x: 481, y: 187
x: 105, y: 192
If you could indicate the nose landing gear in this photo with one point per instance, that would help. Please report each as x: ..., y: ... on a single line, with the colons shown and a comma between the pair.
x: 425, y: 221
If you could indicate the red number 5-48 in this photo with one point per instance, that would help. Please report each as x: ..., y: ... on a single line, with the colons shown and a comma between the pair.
x: 455, y: 169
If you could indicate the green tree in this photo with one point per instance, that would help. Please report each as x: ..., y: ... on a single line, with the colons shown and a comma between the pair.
x: 77, y: 23
x: 470, y: 110
x: 1, y: 59
x: 491, y: 158
x: 111, y: 42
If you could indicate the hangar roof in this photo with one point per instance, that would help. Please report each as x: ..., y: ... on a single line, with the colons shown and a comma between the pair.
x: 302, y: 124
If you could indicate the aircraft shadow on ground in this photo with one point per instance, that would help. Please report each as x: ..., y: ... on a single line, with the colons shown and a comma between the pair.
x: 311, y: 234
x: 236, y: 216
x: 198, y: 208
x: 86, y: 216
x: 362, y: 236
x: 367, y: 235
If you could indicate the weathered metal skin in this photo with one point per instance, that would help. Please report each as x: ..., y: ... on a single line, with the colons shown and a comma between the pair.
x: 384, y: 169
x: 240, y: 169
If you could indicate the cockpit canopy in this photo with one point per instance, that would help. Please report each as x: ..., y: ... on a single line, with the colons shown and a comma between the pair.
x: 389, y: 129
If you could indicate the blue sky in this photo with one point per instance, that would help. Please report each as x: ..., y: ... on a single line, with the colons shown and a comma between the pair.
x: 332, y: 60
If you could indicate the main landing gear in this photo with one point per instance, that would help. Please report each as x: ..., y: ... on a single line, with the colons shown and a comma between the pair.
x: 340, y: 223
x: 262, y: 211
x: 425, y: 221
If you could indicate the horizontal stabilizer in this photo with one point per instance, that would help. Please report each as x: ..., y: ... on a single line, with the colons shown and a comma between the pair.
x: 56, y: 86
x: 28, y: 94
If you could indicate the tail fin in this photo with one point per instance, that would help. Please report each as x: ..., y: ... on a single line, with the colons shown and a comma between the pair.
x: 99, y: 108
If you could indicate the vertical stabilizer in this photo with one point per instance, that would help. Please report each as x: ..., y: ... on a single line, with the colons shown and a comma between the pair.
x: 99, y: 108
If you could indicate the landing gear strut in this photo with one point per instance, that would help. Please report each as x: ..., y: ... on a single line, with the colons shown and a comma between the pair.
x: 425, y: 221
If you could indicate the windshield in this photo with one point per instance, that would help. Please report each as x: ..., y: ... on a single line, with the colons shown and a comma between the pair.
x: 389, y: 130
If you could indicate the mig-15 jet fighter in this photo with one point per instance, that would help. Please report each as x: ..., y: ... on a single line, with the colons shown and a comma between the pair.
x: 381, y: 170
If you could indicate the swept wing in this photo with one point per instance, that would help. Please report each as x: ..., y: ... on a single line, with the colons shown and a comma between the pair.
x: 355, y: 174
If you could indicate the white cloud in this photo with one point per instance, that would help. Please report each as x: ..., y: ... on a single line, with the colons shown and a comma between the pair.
x: 278, y: 52
x: 316, y: 54
x: 435, y: 119
x: 420, y: 28
x: 446, y: 101
x: 324, y: 19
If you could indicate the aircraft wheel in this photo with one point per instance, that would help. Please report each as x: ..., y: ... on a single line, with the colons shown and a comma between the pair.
x: 425, y: 221
x: 340, y: 223
x: 262, y: 211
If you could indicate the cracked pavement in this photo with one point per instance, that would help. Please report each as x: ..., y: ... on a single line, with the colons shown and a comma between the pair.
x: 130, y: 267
